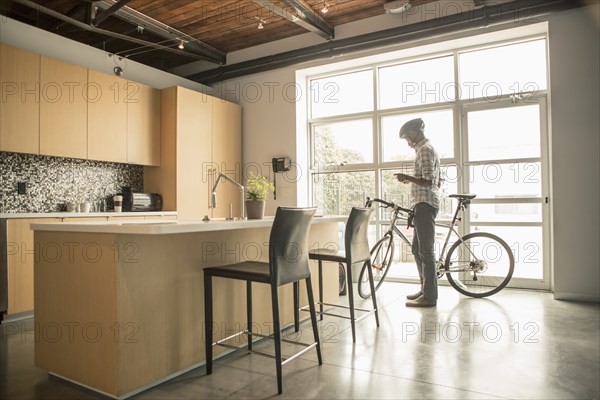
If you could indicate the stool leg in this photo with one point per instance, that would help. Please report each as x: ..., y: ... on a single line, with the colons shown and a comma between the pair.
x: 351, y: 299
x: 372, y: 284
x: 321, y: 289
x: 296, y: 286
x: 208, y: 322
x: 249, y: 311
x: 313, y: 318
x: 277, y: 336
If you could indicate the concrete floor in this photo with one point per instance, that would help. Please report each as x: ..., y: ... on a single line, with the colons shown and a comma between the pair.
x: 516, y: 344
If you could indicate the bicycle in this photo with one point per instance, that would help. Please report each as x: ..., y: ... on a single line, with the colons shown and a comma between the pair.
x: 478, y: 264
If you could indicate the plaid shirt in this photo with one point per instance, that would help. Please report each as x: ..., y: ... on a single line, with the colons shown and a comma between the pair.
x: 427, y: 166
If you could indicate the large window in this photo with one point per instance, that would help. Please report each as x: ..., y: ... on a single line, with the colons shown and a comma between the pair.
x: 484, y: 111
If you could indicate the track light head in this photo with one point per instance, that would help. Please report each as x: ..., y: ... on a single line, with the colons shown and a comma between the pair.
x: 397, y: 6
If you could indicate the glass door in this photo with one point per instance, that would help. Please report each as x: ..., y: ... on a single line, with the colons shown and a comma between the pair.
x: 505, y: 163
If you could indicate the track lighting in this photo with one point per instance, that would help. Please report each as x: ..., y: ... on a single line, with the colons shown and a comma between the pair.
x: 260, y: 22
x: 181, y: 45
x: 397, y: 6
x: 325, y: 8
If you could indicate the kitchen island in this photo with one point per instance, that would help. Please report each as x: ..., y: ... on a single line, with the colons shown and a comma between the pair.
x: 119, y: 306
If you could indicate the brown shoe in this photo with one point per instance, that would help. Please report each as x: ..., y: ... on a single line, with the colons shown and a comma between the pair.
x: 414, y: 296
x: 420, y: 302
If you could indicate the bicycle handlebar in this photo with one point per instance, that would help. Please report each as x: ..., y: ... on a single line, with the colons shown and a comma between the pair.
x: 388, y: 204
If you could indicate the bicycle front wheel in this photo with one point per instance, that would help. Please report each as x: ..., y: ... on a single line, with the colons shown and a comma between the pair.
x: 382, y: 255
x: 479, y: 264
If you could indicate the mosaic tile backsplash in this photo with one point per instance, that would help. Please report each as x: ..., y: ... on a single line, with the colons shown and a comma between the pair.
x: 54, y: 181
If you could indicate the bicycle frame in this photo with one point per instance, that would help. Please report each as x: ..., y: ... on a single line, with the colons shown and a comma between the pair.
x: 450, y: 226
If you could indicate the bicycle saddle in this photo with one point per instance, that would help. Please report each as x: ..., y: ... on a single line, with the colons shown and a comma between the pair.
x: 463, y: 196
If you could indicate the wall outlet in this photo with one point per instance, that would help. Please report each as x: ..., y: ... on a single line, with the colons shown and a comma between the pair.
x: 22, y: 187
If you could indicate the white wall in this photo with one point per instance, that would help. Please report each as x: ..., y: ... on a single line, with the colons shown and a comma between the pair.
x: 575, y: 148
x: 268, y: 125
x: 270, y: 129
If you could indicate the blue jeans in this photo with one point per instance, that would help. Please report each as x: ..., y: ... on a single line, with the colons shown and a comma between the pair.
x: 423, y: 249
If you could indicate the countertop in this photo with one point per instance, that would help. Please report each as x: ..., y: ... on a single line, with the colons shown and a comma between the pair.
x: 164, y: 227
x: 86, y: 215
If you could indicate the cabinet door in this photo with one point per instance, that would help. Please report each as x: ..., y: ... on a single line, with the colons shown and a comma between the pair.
x: 20, y: 260
x: 127, y: 218
x: 227, y: 153
x: 84, y: 219
x: 194, y: 127
x: 107, y: 117
x: 63, y: 109
x: 143, y: 124
x: 20, y: 103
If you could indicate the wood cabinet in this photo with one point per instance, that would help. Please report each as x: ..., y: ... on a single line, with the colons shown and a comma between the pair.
x: 127, y: 218
x: 227, y: 154
x: 84, y: 219
x: 200, y: 136
x: 59, y: 109
x: 186, y: 123
x: 107, y: 117
x: 143, y: 124
x: 20, y: 249
x: 63, y: 109
x: 19, y: 105
x: 161, y: 217
x: 152, y: 294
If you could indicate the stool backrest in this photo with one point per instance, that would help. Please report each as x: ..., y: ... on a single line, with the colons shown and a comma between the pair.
x: 356, y: 236
x: 288, y: 244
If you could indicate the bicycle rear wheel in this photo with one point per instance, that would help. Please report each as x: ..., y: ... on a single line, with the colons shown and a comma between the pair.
x: 480, y: 264
x: 382, y: 255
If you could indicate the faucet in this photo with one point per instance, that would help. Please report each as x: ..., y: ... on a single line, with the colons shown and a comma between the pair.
x: 214, y: 193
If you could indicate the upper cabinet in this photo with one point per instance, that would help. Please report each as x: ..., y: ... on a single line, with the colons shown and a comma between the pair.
x: 143, y: 124
x: 200, y: 137
x: 227, y: 153
x: 185, y: 151
x: 54, y: 108
x: 19, y: 105
x: 107, y: 117
x: 194, y: 126
x: 63, y: 109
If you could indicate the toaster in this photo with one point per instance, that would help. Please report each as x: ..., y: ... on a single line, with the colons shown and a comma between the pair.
x: 142, y: 202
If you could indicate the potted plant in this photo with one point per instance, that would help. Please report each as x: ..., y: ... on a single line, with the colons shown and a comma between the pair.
x: 257, y: 191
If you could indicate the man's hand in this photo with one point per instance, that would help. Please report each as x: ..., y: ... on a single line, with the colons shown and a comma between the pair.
x: 402, y: 177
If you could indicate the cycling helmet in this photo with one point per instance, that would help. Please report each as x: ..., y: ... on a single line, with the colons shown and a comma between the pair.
x: 414, y: 125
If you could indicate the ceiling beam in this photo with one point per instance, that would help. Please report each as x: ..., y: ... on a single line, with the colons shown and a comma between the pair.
x: 466, y: 21
x: 302, y: 19
x: 76, y: 12
x: 304, y: 11
x: 109, y: 11
x: 82, y: 25
x: 192, y: 45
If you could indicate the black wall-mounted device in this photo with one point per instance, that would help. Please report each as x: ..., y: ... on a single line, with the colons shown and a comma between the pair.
x: 280, y: 164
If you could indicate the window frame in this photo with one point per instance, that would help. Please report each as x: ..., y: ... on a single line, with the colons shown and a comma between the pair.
x: 460, y: 106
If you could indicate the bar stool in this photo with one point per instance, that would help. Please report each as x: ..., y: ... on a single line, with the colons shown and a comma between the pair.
x: 357, y: 251
x: 288, y: 262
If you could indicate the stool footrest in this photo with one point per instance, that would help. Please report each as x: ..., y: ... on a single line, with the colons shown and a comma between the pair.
x: 307, y: 346
x: 356, y: 319
x: 367, y: 310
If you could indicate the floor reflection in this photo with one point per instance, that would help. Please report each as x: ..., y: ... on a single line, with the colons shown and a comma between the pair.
x: 515, y: 344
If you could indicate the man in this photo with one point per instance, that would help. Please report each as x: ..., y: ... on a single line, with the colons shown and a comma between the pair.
x: 424, y: 194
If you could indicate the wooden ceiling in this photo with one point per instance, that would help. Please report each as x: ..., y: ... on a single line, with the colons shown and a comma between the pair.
x: 168, y: 34
x: 210, y: 29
